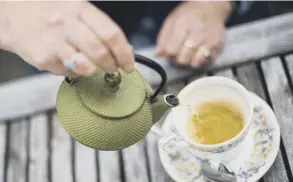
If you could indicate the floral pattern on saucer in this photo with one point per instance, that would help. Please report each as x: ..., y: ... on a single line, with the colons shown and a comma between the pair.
x: 262, y: 148
x: 263, y: 142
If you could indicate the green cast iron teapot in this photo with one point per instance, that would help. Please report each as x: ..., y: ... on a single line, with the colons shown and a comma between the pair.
x: 112, y: 111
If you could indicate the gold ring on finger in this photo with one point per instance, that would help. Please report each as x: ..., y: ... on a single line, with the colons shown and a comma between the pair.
x: 188, y: 43
x: 205, y: 52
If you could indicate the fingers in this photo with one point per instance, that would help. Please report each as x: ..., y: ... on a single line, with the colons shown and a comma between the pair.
x: 187, y: 50
x: 43, y: 57
x: 83, y: 39
x: 59, y: 69
x: 198, y: 60
x: 110, y: 34
x: 163, y: 37
x: 203, y: 55
x: 176, y: 38
x: 75, y: 62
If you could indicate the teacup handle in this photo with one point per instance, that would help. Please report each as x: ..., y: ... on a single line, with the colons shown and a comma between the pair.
x: 167, y: 139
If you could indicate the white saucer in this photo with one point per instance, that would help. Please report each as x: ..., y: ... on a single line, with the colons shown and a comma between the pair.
x: 259, y: 152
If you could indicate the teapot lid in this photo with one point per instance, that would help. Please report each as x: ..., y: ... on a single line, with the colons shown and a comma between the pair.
x: 112, y: 95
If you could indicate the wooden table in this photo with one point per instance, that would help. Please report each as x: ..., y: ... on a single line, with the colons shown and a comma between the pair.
x: 35, y: 148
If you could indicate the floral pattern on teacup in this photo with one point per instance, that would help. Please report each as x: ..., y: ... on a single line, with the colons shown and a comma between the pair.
x: 224, y: 148
x: 187, y: 166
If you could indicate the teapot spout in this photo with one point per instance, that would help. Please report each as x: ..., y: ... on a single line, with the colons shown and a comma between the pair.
x: 162, y: 104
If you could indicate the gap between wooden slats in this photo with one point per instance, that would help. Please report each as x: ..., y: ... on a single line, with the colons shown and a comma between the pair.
x: 281, y: 98
x: 2, y: 150
x: 17, y: 157
x: 248, y: 76
x: 157, y: 171
x: 61, y: 153
x: 135, y: 164
x: 38, y: 168
x: 71, y: 161
x: 85, y: 163
x: 109, y: 166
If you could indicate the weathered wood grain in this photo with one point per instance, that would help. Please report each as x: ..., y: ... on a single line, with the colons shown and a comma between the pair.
x: 226, y: 73
x: 17, y: 152
x: 243, y: 43
x: 86, y: 169
x: 135, y: 163
x: 281, y: 98
x: 61, y: 153
x: 249, y: 77
x: 109, y: 166
x: 157, y: 171
x: 38, y: 170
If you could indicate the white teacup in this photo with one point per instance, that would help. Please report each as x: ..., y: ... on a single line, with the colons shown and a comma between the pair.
x: 199, y: 91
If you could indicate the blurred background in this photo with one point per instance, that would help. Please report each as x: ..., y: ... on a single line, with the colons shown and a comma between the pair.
x: 148, y: 16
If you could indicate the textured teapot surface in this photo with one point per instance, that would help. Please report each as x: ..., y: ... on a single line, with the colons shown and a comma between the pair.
x: 101, y: 116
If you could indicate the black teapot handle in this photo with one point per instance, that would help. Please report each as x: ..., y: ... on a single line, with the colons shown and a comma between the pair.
x: 156, y: 67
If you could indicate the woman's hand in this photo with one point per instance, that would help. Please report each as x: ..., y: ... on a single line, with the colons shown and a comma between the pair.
x: 64, y: 38
x: 193, y: 33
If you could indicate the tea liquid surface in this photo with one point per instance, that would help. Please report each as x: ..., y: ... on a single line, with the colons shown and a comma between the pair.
x: 216, y: 121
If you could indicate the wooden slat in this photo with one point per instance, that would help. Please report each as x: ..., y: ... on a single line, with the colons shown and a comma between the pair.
x: 2, y: 149
x: 157, y: 171
x: 226, y: 73
x: 38, y: 170
x: 86, y: 170
x: 61, y: 153
x: 135, y: 163
x: 281, y: 100
x: 26, y: 96
x: 17, y: 152
x: 109, y: 166
x: 243, y: 43
x: 249, y: 77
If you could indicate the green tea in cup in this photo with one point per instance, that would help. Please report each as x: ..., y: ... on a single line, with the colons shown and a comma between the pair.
x: 215, y: 121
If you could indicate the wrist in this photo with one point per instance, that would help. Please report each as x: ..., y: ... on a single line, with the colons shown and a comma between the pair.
x: 220, y: 9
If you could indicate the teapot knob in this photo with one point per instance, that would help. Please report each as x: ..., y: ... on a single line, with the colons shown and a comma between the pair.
x: 112, y: 80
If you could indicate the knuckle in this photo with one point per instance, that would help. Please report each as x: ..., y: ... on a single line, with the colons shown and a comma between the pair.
x: 112, y: 36
x: 101, y: 54
x: 42, y: 62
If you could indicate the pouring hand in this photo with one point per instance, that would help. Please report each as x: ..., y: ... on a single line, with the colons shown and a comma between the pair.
x: 64, y: 38
x: 193, y: 32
